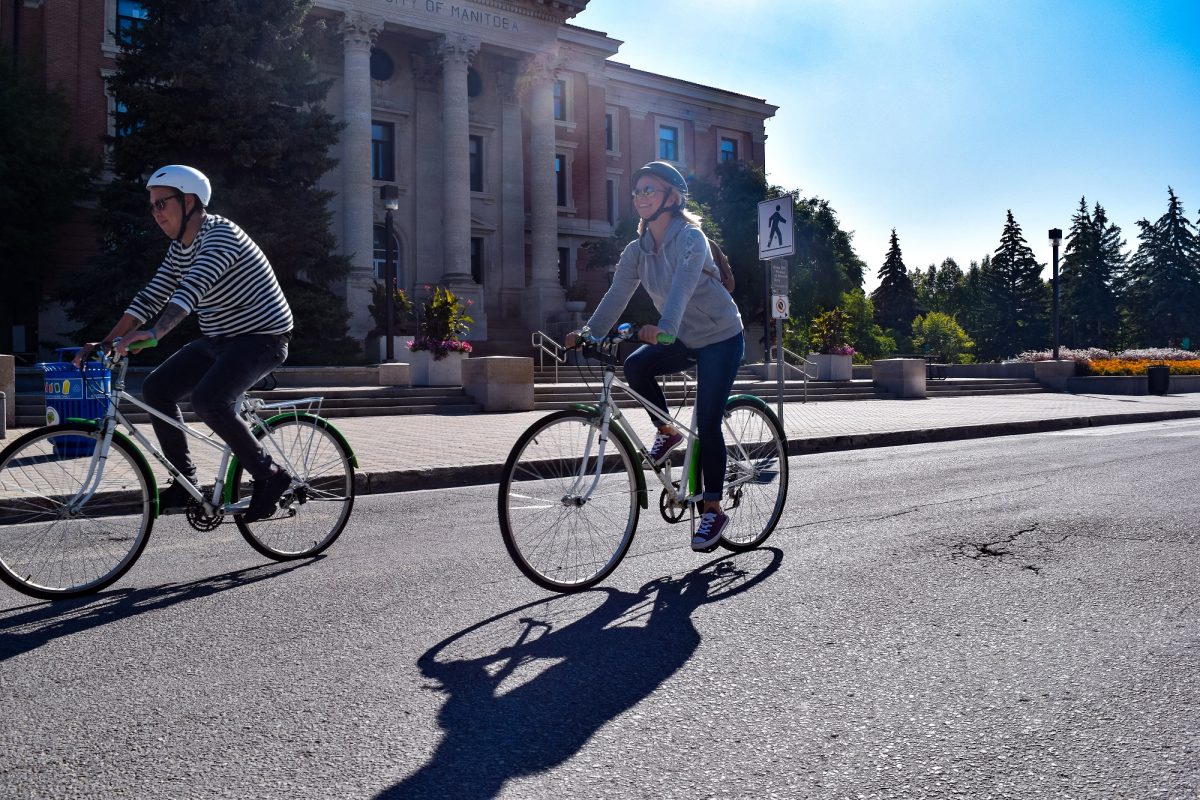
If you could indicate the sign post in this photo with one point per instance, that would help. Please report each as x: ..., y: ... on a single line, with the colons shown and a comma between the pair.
x: 776, y: 240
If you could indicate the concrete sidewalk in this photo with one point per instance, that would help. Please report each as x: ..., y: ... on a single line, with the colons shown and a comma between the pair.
x: 403, y: 453
x: 426, y: 451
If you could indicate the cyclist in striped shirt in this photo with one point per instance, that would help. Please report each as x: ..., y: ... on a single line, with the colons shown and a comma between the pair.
x: 214, y: 269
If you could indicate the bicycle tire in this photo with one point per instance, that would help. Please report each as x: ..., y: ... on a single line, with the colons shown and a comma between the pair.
x: 557, y: 542
x: 756, y: 473
x: 49, y: 552
x: 321, y: 495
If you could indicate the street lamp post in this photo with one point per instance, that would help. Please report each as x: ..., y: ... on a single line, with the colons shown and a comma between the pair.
x: 390, y: 194
x: 1055, y: 241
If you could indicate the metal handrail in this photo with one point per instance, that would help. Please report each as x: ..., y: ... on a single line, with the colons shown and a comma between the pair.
x: 545, y: 345
x: 803, y: 370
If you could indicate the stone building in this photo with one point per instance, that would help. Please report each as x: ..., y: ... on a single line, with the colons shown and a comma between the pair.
x: 509, y: 133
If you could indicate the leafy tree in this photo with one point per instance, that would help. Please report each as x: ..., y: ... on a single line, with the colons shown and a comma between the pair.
x: 731, y: 198
x: 227, y: 86
x: 1014, y: 311
x: 1164, y: 279
x: 866, y: 337
x: 938, y: 332
x: 42, y: 176
x: 1092, y: 266
x: 825, y: 266
x: 895, y: 298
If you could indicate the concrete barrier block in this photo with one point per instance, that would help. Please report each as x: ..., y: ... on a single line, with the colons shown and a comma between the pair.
x: 902, y: 377
x: 394, y: 373
x: 1054, y: 374
x: 499, y: 383
x: 8, y: 385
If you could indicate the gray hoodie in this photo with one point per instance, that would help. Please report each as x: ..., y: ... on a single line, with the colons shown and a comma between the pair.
x: 682, y: 280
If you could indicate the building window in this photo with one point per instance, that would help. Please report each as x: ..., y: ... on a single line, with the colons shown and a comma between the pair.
x: 729, y: 150
x: 131, y: 15
x: 610, y: 200
x: 609, y: 140
x: 474, y: 83
x: 560, y: 177
x: 383, y: 151
x: 477, y: 259
x: 668, y: 143
x: 379, y: 257
x: 382, y: 66
x: 564, y: 266
x: 476, y: 163
x: 560, y: 101
x: 121, y: 126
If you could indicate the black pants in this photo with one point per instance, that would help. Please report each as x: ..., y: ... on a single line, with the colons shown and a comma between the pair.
x: 216, y: 372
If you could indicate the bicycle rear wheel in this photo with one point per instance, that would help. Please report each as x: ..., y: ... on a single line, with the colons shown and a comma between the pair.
x: 565, y: 523
x: 53, y: 544
x: 756, y: 473
x: 318, y: 504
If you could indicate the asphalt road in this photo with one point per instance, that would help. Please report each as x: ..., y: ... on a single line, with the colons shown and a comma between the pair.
x: 1014, y: 617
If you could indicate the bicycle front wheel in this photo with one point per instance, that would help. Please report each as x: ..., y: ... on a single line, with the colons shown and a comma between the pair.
x: 71, y: 523
x: 318, y: 504
x: 756, y: 473
x: 567, y: 518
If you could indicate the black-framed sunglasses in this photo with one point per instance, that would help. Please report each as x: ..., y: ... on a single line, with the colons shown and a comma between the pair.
x: 648, y: 191
x: 160, y: 204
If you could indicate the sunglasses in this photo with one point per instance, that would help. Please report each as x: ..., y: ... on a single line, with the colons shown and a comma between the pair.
x: 649, y: 191
x: 160, y: 205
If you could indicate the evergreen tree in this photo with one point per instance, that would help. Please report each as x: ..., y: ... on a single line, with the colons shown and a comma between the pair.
x: 41, y: 178
x: 895, y: 299
x: 1090, y: 272
x: 1164, y: 279
x: 970, y: 315
x: 226, y: 86
x: 1014, y: 312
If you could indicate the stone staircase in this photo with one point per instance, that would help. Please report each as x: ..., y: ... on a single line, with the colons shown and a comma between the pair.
x: 963, y: 387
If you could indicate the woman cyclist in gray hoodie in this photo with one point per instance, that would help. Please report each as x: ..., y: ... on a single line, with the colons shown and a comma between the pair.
x: 672, y: 260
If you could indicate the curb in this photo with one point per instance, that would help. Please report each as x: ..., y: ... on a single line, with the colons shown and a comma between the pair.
x: 478, y: 474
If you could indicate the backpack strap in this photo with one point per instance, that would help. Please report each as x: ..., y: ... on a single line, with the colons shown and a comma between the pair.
x: 722, y: 262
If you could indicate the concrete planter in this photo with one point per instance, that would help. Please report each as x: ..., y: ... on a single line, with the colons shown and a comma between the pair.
x: 425, y: 370
x: 832, y: 368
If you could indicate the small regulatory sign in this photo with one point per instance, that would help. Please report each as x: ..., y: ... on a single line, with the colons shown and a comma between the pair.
x: 780, y: 307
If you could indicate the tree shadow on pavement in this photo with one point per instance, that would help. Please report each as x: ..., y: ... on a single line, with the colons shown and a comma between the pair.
x: 27, y: 628
x: 526, y: 689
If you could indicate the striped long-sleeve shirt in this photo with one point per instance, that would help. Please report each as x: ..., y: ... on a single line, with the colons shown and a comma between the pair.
x: 224, y: 278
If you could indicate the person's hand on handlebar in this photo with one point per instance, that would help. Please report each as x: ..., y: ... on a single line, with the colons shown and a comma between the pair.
x: 649, y: 334
x: 86, y: 351
x: 123, y: 343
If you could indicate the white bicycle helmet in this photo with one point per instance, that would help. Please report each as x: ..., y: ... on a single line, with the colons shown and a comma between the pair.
x: 187, y: 180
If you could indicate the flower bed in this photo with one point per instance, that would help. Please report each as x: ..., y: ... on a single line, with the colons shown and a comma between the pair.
x: 1137, y: 366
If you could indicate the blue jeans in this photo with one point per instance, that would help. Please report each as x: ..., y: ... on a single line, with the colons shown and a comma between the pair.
x: 216, y: 372
x: 716, y: 367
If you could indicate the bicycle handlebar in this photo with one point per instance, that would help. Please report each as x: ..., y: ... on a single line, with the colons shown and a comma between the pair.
x: 623, y: 333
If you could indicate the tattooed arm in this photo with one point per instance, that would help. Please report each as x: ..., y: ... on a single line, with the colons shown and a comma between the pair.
x: 171, y: 316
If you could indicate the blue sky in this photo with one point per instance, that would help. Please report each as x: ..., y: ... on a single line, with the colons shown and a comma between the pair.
x: 937, y: 116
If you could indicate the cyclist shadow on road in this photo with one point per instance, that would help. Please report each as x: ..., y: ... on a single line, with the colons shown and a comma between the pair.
x: 27, y: 628
x: 527, y: 688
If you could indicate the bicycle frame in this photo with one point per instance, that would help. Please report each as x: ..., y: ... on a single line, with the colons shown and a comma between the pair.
x: 114, y: 418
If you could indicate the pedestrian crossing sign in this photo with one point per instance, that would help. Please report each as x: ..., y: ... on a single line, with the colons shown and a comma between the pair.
x: 775, y: 238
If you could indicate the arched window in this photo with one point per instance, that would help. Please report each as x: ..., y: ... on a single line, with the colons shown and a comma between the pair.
x: 380, y: 257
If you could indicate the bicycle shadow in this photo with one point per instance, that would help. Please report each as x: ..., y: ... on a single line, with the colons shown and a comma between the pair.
x: 44, y: 621
x: 529, y: 687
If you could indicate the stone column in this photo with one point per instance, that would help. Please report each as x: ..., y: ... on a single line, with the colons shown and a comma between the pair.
x: 512, y: 192
x: 359, y: 32
x: 545, y: 295
x: 456, y: 52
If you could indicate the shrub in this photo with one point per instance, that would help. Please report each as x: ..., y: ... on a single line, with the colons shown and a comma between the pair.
x: 443, y: 323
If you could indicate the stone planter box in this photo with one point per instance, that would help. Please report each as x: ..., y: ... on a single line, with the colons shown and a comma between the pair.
x: 425, y: 370
x: 832, y: 368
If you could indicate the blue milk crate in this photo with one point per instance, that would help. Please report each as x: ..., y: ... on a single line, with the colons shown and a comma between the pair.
x: 74, y: 393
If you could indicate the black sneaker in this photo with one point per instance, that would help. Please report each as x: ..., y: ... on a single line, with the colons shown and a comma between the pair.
x: 266, y: 495
x: 174, y: 499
